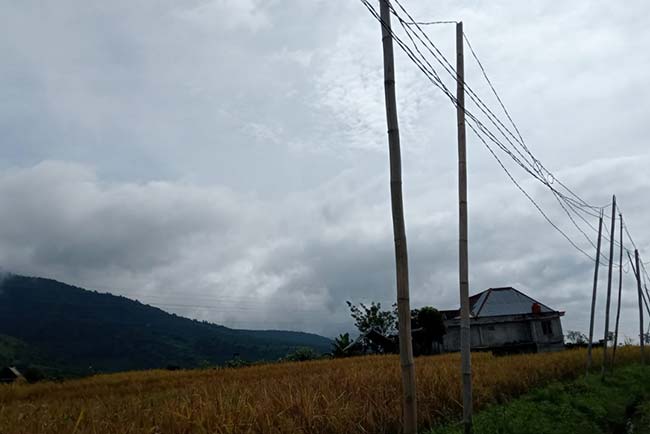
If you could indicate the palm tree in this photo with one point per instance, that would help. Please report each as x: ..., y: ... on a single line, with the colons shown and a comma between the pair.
x: 340, y: 345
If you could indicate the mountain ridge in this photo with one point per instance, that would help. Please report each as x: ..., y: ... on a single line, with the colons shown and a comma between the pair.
x: 82, y: 332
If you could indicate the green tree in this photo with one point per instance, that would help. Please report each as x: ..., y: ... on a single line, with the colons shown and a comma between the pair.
x: 428, y: 320
x: 432, y: 326
x: 576, y: 337
x: 431, y: 320
x: 340, y: 344
x: 372, y: 317
x: 302, y: 354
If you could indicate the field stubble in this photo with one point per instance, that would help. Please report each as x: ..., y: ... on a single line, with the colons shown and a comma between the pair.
x: 356, y: 395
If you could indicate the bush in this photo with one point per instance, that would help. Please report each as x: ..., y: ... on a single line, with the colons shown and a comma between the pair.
x: 302, y: 354
x: 237, y: 363
x: 33, y: 375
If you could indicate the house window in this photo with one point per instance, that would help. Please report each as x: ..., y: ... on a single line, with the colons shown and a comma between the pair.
x: 547, y: 328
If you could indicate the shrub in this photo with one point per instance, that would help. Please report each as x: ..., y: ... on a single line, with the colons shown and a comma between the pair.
x: 302, y: 354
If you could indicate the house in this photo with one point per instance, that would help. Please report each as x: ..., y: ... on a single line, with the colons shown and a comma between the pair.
x: 506, y: 320
x: 10, y: 374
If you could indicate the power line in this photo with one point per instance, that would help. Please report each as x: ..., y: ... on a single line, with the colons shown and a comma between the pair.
x: 531, y: 199
x: 451, y: 71
x: 493, y: 138
x: 571, y: 203
x: 430, y: 23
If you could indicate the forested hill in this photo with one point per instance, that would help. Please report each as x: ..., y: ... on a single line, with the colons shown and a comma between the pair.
x: 83, y: 332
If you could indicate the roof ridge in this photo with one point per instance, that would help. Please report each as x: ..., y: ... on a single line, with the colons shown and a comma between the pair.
x: 536, y: 301
x: 489, y: 292
x: 483, y: 303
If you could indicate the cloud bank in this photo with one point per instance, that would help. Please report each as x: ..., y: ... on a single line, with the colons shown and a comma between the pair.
x: 227, y: 160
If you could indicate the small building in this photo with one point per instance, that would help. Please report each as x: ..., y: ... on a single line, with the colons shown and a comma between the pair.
x: 505, y: 320
x: 10, y: 374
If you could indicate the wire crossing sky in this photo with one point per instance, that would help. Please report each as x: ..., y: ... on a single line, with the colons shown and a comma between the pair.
x: 570, y: 202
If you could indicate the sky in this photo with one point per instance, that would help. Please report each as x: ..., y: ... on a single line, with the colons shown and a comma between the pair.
x: 227, y: 159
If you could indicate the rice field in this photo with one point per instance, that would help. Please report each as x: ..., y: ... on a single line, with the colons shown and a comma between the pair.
x: 356, y: 395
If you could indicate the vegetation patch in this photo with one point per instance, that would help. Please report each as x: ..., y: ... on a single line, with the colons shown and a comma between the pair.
x: 621, y: 404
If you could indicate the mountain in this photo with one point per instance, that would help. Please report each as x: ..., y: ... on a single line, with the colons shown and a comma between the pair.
x: 14, y: 350
x: 72, y: 330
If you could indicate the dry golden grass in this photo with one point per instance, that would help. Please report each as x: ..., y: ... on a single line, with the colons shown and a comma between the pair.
x: 357, y: 395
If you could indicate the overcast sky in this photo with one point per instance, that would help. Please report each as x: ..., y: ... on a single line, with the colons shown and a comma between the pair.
x: 227, y: 159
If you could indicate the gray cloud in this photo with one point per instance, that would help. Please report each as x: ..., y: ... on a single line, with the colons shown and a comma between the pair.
x: 231, y: 155
x: 292, y: 263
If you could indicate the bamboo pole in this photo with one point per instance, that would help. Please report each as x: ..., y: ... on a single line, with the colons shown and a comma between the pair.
x: 609, y: 287
x: 593, y: 295
x: 638, y: 285
x: 465, y: 337
x: 409, y: 403
x: 620, y: 292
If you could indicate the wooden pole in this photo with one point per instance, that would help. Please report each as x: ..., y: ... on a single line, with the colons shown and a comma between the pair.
x: 465, y: 337
x: 620, y: 292
x: 593, y: 295
x: 409, y: 404
x: 609, y: 287
x: 638, y: 285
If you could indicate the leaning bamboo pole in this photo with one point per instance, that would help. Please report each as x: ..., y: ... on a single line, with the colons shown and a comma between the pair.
x: 593, y: 295
x: 463, y: 262
x: 603, y: 370
x: 620, y: 292
x: 409, y: 403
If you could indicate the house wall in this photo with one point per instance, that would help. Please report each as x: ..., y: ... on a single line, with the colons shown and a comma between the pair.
x: 451, y: 340
x: 498, y: 334
x: 548, y: 334
x: 489, y: 333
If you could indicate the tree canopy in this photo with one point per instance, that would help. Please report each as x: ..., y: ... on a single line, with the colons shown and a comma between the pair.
x: 427, y: 323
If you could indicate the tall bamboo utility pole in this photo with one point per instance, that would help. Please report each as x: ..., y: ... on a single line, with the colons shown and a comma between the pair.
x: 609, y: 287
x: 620, y: 292
x: 593, y: 295
x: 409, y: 404
x: 465, y: 337
x: 638, y: 285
